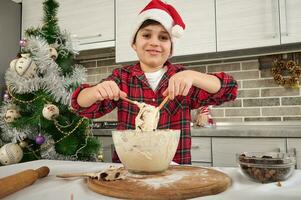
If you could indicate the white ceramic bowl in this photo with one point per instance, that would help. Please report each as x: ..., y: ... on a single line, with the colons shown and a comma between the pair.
x: 146, y: 152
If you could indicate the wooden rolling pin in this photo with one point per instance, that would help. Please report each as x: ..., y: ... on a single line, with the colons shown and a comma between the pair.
x: 16, y: 182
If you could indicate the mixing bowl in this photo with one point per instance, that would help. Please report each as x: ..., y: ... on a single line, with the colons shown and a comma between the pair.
x: 146, y: 152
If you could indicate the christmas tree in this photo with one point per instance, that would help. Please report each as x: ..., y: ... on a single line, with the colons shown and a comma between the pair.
x: 36, y: 119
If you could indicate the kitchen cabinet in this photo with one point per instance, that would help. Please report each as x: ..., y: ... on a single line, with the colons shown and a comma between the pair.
x: 247, y: 24
x: 91, y: 23
x: 199, y: 35
x: 201, y: 151
x: 294, y: 146
x: 225, y: 149
x: 107, y: 148
x: 290, y: 21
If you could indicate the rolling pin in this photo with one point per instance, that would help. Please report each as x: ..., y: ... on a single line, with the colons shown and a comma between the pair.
x: 16, y: 182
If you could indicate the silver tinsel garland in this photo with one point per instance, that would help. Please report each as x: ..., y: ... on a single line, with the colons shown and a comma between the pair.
x: 51, y: 80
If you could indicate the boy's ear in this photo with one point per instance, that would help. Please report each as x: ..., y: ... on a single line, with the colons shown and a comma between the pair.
x: 134, y: 47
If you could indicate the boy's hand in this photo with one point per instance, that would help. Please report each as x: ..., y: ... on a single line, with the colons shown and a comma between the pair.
x: 108, y: 90
x: 179, y: 84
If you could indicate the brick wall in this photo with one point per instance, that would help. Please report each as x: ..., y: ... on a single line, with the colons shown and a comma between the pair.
x: 259, y: 97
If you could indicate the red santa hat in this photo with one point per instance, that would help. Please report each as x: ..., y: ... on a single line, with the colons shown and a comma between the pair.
x: 163, y: 13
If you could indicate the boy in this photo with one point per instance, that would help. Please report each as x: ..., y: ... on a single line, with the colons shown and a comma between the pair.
x: 153, y: 78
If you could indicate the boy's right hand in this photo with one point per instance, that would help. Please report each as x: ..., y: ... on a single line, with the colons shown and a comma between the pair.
x: 108, y: 90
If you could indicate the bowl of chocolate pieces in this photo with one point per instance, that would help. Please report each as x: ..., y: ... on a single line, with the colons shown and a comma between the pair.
x: 266, y: 167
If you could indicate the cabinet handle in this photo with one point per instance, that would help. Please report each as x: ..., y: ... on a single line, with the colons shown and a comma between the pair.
x: 88, y: 36
x: 195, y: 147
x: 275, y: 18
x: 283, y: 17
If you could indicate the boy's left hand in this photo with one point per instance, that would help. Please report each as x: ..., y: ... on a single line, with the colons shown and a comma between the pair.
x: 179, y: 84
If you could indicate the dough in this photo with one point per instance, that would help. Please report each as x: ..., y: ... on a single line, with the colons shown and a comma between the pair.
x: 147, y: 118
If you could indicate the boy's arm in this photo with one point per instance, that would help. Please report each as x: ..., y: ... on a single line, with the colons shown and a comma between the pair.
x: 202, y: 96
x: 94, y: 101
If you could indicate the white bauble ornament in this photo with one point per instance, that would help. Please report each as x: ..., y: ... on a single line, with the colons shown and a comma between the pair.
x: 11, y: 115
x: 50, y: 111
x: 10, y: 154
x: 53, y: 53
x: 24, y: 66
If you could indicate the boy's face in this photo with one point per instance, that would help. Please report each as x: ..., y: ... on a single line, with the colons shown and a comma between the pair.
x: 153, y: 47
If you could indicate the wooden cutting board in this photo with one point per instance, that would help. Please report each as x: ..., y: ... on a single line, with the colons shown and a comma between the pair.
x: 178, y: 182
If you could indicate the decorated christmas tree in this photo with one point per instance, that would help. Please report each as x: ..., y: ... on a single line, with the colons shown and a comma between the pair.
x: 37, y: 121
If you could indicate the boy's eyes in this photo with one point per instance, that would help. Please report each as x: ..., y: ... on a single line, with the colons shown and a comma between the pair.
x: 161, y: 37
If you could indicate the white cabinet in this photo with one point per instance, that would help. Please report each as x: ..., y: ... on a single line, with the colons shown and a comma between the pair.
x: 199, y: 35
x: 290, y: 21
x: 247, y: 24
x: 294, y: 146
x: 91, y: 23
x: 224, y: 149
x: 201, y: 151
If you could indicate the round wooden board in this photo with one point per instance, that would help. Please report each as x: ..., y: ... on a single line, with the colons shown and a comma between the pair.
x: 178, y: 182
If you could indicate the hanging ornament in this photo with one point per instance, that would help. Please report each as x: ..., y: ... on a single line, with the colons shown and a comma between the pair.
x: 40, y: 139
x: 50, y: 111
x: 6, y: 96
x: 10, y: 154
x: 11, y: 115
x: 24, y: 66
x: 53, y: 53
x: 23, y: 43
x: 23, y: 144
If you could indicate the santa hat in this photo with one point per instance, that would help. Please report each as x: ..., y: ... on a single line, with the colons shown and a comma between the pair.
x: 164, y: 14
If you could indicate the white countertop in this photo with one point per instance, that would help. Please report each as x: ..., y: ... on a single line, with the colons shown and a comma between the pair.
x: 54, y: 188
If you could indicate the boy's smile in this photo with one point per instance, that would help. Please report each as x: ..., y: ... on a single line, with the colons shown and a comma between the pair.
x: 153, y: 47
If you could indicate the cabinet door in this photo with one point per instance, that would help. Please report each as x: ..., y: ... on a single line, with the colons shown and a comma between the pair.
x: 224, y: 149
x: 290, y: 21
x: 88, y: 21
x: 201, y: 151
x: 199, y: 35
x: 294, y: 146
x: 107, y: 147
x: 247, y: 24
x: 126, y: 12
x: 32, y: 14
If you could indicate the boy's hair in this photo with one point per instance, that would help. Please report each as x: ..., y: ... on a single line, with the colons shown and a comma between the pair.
x: 146, y: 23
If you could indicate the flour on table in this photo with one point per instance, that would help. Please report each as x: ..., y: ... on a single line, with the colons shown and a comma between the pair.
x: 164, y: 181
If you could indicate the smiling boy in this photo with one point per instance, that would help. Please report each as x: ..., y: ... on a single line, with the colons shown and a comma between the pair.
x: 153, y: 78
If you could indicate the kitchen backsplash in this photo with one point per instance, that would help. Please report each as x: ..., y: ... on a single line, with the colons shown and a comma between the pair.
x: 259, y: 96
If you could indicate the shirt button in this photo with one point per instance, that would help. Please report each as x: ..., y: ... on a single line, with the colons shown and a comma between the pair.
x: 153, y: 99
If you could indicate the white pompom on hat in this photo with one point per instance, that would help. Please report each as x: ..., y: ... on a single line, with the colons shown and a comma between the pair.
x: 163, y: 13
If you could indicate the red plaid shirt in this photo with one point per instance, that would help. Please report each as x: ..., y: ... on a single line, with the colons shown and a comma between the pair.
x: 175, y: 114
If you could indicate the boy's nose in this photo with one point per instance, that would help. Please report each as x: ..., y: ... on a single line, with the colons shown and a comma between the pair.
x: 154, y: 41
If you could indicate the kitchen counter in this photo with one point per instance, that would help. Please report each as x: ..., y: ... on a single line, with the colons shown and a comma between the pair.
x: 292, y: 130
x: 52, y: 187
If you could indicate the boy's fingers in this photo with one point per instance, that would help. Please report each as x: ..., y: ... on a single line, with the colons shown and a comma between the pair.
x: 165, y: 93
x: 122, y: 94
x: 182, y: 88
x: 186, y: 90
x: 171, y: 89
x: 103, y: 93
x: 115, y: 90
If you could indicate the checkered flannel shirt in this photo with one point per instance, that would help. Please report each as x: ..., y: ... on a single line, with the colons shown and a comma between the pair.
x: 176, y: 114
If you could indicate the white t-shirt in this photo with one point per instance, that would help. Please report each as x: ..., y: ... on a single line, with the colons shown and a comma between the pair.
x: 155, y: 77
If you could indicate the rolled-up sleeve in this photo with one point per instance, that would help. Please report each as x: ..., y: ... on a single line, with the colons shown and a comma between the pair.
x: 227, y: 92
x: 99, y: 108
